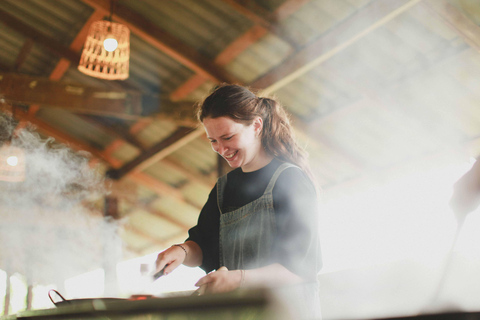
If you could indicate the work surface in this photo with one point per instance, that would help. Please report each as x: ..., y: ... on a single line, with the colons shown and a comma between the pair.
x: 238, y: 305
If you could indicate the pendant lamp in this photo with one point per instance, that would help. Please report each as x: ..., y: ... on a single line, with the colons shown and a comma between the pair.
x: 12, y: 163
x: 106, y: 52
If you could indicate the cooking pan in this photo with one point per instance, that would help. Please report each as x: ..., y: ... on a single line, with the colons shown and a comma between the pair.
x: 64, y: 302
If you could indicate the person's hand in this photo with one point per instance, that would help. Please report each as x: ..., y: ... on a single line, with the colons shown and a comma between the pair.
x: 221, y: 280
x: 170, y: 259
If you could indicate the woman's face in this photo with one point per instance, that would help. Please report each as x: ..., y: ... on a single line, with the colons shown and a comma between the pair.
x: 237, y: 143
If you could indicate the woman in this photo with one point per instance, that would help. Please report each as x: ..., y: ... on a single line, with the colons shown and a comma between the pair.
x: 260, y: 220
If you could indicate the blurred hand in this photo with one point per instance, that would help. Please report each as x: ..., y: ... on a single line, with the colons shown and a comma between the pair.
x: 218, y: 281
x: 169, y: 259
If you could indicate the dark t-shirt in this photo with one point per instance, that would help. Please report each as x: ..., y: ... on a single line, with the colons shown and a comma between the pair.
x: 296, y: 246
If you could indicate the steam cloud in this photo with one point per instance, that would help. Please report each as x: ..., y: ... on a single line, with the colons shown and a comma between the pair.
x: 47, y: 233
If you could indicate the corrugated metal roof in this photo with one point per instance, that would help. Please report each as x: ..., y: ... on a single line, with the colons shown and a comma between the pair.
x: 60, y: 20
x: 153, y: 70
x: 208, y: 26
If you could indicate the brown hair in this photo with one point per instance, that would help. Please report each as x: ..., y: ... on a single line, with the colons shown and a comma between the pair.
x: 242, y: 105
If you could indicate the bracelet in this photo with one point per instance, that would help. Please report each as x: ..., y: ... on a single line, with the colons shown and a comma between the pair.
x: 242, y: 279
x: 183, y: 248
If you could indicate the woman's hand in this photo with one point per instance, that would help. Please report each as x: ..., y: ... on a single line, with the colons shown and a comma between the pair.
x: 189, y: 253
x: 170, y: 259
x: 221, y: 280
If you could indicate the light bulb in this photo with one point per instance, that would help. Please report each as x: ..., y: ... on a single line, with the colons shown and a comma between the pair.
x: 12, y: 161
x: 110, y: 43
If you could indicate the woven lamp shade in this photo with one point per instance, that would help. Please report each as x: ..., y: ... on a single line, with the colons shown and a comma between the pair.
x: 98, y: 62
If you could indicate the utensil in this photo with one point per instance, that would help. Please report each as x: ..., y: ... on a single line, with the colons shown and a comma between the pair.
x: 65, y: 302
x: 159, y: 273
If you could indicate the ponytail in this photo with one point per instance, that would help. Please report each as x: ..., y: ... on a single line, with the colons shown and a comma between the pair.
x: 278, y: 137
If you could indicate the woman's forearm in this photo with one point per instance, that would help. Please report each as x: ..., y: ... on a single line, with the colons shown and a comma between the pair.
x: 224, y: 280
x: 271, y: 275
x: 194, y: 253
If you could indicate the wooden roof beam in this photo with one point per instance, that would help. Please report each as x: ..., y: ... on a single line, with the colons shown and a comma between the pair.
x: 161, y: 215
x: 206, y: 181
x: 24, y: 89
x: 64, y: 64
x: 367, y: 179
x: 67, y: 55
x: 159, y: 151
x: 240, y: 44
x: 32, y: 33
x: 76, y: 45
x: 66, y: 139
x: 157, y: 186
x: 226, y: 56
x: 343, y: 36
x: 161, y: 188
x: 152, y: 239
x: 24, y: 52
x: 114, y: 130
x: 267, y: 20
x: 163, y: 41
x: 467, y: 29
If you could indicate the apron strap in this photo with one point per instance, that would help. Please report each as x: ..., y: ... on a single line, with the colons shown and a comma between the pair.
x: 222, y: 181
x: 275, y: 176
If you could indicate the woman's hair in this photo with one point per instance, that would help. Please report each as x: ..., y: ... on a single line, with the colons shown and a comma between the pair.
x: 242, y: 105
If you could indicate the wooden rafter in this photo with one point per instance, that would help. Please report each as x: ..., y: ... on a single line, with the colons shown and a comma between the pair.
x: 138, y: 177
x: 456, y: 20
x: 346, y: 34
x: 139, y: 26
x: 349, y: 157
x: 287, y: 8
x: 66, y: 139
x: 63, y: 64
x: 142, y: 234
x: 76, y: 45
x: 16, y: 88
x: 162, y: 215
x: 191, y: 176
x: 178, y: 111
x: 227, y: 55
x: 159, y: 187
x: 68, y: 55
x: 5, y: 68
x: 114, y: 130
x: 32, y: 33
x: 23, y: 89
x: 24, y: 52
x: 239, y: 45
x: 267, y: 20
x: 159, y: 151
x: 163, y: 41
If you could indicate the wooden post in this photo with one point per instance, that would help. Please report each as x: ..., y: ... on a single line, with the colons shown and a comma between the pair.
x: 7, y: 293
x: 29, y: 296
x: 110, y: 248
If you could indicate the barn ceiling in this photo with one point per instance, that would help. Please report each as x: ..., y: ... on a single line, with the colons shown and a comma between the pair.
x: 374, y: 88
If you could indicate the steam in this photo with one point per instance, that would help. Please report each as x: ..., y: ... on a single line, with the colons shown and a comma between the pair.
x: 47, y: 232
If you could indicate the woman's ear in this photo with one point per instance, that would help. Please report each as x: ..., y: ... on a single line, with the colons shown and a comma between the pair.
x: 258, y: 126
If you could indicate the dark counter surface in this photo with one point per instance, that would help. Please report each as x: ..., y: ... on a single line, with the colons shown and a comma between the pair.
x: 252, y: 304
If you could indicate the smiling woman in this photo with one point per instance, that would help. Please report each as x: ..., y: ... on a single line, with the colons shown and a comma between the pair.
x: 237, y: 143
x: 259, y: 224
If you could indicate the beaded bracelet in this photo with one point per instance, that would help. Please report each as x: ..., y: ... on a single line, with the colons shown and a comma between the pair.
x: 183, y: 248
